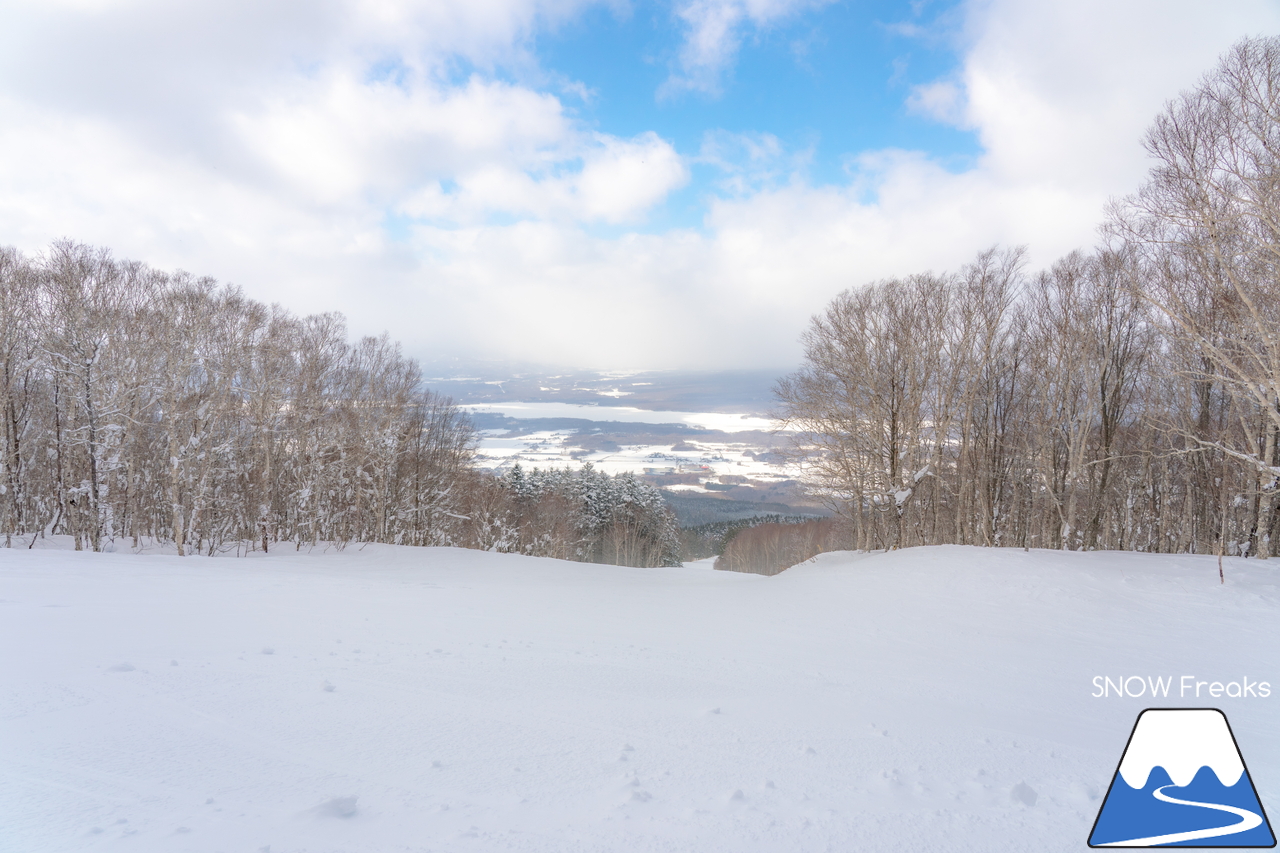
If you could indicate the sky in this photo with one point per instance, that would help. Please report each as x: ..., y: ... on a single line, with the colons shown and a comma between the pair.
x: 590, y: 184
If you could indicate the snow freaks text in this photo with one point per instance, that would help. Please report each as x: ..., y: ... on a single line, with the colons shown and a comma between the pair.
x: 1181, y: 687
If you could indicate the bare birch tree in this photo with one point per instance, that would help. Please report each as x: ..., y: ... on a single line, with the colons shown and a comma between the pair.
x: 1208, y: 224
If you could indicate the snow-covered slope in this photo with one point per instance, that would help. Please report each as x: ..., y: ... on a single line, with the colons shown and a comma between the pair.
x: 390, y: 699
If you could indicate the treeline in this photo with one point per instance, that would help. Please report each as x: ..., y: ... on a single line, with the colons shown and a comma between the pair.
x: 143, y: 405
x: 581, y: 515
x: 771, y: 547
x: 711, y: 538
x: 1128, y: 398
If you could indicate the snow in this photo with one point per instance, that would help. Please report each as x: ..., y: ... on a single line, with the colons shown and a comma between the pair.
x: 499, y: 450
x: 706, y: 458
x: 543, y: 449
x: 548, y: 449
x: 724, y: 421
x: 440, y: 699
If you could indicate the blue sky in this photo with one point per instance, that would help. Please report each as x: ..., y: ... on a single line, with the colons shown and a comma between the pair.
x: 820, y: 84
x: 591, y: 183
x: 826, y: 82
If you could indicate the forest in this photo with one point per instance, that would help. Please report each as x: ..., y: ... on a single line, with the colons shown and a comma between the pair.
x: 1126, y: 398
x: 140, y: 405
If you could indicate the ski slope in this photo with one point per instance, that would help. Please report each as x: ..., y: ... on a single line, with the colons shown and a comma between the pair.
x: 399, y: 699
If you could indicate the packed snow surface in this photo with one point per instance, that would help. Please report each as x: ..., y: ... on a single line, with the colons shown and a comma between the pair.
x: 393, y: 699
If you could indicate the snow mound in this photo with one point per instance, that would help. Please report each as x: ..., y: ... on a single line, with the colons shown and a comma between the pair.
x: 338, y: 807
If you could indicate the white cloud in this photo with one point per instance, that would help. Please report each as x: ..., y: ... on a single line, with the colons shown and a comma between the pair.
x: 941, y: 100
x: 623, y: 177
x: 714, y: 30
x: 336, y: 137
x: 215, y: 135
x: 616, y: 182
x: 751, y: 162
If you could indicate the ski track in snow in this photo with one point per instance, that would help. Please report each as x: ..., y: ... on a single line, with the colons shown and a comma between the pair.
x: 390, y: 699
x: 1248, y: 820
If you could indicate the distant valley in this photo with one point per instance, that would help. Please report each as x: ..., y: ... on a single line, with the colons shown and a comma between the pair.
x: 732, y: 391
x: 704, y: 438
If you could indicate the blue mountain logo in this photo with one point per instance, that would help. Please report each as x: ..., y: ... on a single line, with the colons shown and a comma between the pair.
x: 1182, y: 783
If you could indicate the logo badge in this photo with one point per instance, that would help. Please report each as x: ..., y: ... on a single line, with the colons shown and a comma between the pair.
x: 1181, y: 783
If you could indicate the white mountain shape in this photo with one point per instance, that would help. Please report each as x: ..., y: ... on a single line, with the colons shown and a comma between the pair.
x: 1181, y: 741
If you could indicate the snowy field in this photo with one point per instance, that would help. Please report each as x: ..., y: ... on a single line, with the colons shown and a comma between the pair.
x: 723, y: 421
x: 397, y: 699
x: 552, y: 448
x: 713, y: 455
